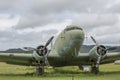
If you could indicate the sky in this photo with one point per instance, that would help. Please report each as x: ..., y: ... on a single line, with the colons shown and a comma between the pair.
x: 33, y: 22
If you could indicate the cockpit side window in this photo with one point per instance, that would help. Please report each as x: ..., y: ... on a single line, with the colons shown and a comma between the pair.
x: 73, y: 28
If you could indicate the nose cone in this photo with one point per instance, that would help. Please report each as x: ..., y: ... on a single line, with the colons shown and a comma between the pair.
x: 77, y: 34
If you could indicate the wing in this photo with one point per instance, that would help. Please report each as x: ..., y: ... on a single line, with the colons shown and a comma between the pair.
x: 17, y: 58
x: 85, y: 58
x: 111, y: 57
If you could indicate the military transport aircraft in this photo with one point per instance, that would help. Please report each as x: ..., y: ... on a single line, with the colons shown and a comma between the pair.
x: 64, y: 52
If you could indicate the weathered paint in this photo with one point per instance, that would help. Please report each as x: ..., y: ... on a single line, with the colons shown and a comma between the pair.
x: 65, y: 51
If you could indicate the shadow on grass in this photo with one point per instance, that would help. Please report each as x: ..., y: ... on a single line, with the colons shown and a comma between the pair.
x: 109, y: 73
x: 67, y: 71
x: 58, y: 73
x: 12, y: 74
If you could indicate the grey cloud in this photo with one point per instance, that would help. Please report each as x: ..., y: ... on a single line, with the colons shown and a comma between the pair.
x: 54, y: 31
x: 6, y: 4
x: 110, y: 39
x: 31, y: 21
x: 92, y: 15
x: 105, y: 35
x: 85, y: 20
x: 115, y: 9
x: 89, y: 21
x: 36, y: 13
x: 54, y: 6
x: 69, y: 5
x: 13, y: 39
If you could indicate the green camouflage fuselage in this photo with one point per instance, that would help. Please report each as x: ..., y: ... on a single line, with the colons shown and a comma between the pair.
x: 67, y: 46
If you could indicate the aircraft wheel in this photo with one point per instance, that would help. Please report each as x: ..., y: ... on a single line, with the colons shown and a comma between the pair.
x: 80, y: 67
x: 95, y: 70
x: 40, y: 70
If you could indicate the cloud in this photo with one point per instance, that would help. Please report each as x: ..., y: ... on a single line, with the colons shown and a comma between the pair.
x: 89, y: 21
x: 7, y: 21
x: 57, y: 6
x: 13, y: 39
x: 32, y: 22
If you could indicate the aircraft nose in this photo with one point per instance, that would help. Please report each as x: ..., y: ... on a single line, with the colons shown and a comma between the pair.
x: 77, y: 34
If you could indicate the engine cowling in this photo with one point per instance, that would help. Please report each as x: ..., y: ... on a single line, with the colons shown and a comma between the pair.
x: 41, y: 50
x: 96, y: 51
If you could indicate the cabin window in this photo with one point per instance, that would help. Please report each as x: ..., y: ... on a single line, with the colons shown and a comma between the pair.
x: 73, y: 28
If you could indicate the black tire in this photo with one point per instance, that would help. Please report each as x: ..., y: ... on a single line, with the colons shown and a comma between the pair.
x: 40, y: 70
x: 95, y: 70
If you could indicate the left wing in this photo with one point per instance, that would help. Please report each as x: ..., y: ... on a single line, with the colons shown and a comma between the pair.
x: 17, y: 58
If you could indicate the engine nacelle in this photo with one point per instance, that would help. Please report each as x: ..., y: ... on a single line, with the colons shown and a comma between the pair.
x: 96, y: 51
x: 41, y: 50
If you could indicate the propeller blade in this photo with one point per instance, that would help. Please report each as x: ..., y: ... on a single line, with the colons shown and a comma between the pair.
x: 94, y: 40
x: 29, y: 48
x: 46, y: 61
x: 48, y: 42
x: 98, y: 61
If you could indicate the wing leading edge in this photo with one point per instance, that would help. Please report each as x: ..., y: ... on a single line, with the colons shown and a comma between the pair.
x: 17, y: 58
x: 85, y: 59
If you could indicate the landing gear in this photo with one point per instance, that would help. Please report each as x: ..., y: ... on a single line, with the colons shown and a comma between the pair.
x: 94, y: 69
x: 40, y: 68
x: 80, y: 67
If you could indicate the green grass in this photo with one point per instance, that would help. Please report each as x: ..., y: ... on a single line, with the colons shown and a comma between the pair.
x: 13, y: 72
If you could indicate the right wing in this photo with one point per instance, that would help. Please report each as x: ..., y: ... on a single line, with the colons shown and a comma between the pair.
x: 85, y: 58
x: 111, y: 57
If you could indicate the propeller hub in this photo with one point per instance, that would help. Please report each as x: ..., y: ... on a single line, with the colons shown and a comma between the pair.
x: 101, y: 50
x: 41, y: 50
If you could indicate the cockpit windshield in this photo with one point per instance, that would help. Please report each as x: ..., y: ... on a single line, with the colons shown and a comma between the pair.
x: 73, y: 28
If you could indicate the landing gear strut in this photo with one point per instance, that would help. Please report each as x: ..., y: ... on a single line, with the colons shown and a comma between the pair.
x: 94, y: 69
x: 40, y: 68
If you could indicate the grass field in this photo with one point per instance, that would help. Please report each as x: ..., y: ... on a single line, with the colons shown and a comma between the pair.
x: 13, y: 72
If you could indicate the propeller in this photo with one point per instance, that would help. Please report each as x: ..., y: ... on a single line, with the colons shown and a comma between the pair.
x: 98, y: 61
x: 45, y: 56
x: 93, y: 39
x: 48, y: 42
x: 42, y: 49
x: 101, y: 51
